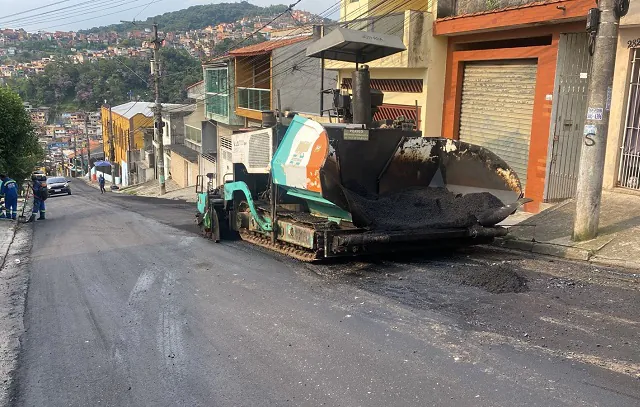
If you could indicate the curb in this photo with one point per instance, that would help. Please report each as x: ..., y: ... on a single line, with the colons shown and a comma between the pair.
x: 549, y: 249
x: 606, y: 261
x: 561, y: 251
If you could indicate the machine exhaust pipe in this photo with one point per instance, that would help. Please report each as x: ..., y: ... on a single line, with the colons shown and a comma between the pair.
x: 361, y: 80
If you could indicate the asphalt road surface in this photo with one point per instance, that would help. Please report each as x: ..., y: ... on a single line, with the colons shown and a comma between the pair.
x: 127, y: 306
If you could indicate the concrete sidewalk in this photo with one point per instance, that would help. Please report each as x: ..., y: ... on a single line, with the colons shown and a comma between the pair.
x: 8, y: 228
x: 549, y: 232
x: 15, y: 245
x: 7, y: 231
x: 152, y: 189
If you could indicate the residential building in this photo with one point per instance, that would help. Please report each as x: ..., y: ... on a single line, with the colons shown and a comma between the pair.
x: 278, y: 65
x: 244, y: 84
x: 127, y: 133
x: 173, y: 134
x: 516, y: 83
x: 123, y: 132
x: 39, y: 115
x: 413, y: 80
x: 220, y: 114
x: 77, y: 119
x: 622, y: 165
x: 187, y: 158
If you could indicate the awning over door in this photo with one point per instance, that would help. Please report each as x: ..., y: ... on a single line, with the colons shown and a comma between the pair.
x: 497, y: 108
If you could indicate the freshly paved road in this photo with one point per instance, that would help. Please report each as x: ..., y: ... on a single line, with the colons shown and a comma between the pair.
x: 127, y: 306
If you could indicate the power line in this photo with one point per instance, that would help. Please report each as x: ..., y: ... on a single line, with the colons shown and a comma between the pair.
x: 273, y: 75
x: 37, y: 8
x: 49, y: 12
x: 291, y: 6
x: 134, y: 72
x: 69, y: 14
x: 145, y: 7
x: 272, y: 68
x: 101, y: 16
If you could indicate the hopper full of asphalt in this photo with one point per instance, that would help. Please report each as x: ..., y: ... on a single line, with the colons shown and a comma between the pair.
x: 420, y: 208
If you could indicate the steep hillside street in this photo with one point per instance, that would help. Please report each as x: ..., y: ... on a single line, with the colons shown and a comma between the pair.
x: 128, y: 306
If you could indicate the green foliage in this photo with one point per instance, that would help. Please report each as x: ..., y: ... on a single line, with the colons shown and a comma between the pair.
x: 179, y: 70
x: 198, y: 17
x: 19, y: 148
x: 34, y: 50
x: 127, y: 42
x: 68, y: 86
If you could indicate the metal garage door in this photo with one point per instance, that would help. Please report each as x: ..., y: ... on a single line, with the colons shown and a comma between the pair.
x: 497, y: 109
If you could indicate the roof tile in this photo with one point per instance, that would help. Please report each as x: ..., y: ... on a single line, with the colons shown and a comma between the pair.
x: 266, y: 46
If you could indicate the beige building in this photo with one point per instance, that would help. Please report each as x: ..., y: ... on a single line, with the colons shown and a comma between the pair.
x: 415, y: 76
x: 622, y: 165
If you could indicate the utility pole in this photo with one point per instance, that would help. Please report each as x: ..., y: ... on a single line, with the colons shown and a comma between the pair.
x: 86, y: 136
x: 158, y: 109
x: 75, y: 152
x: 602, y: 25
x: 81, y: 156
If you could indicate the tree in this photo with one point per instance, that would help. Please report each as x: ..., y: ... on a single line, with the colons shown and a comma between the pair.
x: 198, y: 17
x: 179, y: 70
x: 70, y: 86
x: 19, y: 148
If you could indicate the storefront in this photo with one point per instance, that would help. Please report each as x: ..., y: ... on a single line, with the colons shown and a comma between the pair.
x: 519, y: 89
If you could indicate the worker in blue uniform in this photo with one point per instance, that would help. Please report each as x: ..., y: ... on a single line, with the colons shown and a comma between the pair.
x: 10, y: 191
x: 40, y: 194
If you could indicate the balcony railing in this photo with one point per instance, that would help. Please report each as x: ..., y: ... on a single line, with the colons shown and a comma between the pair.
x: 254, y: 99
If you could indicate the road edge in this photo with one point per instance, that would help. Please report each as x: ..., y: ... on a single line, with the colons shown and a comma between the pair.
x: 564, y: 252
x: 14, y: 282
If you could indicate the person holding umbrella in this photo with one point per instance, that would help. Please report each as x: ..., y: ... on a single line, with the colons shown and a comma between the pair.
x: 101, y: 180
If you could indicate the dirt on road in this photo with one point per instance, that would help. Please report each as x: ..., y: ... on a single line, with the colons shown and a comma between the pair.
x: 576, y: 311
x: 184, y: 321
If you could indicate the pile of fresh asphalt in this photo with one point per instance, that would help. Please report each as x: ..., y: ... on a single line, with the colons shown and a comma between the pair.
x: 420, y: 208
x: 496, y: 279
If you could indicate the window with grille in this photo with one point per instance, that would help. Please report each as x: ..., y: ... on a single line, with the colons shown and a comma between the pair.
x: 629, y: 172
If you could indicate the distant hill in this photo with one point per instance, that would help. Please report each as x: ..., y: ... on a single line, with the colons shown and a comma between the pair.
x: 198, y: 17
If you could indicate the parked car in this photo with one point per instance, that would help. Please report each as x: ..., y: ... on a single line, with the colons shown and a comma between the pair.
x: 58, y: 185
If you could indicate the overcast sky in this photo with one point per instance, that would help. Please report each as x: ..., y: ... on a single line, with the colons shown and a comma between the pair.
x: 65, y: 15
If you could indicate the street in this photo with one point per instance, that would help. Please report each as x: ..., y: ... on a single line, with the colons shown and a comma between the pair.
x: 128, y: 306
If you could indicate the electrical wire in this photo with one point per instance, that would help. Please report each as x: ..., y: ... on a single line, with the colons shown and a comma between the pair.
x: 291, y: 6
x: 37, y: 8
x: 303, y: 51
x: 101, y: 16
x: 67, y: 8
x: 310, y: 61
x: 67, y: 15
x: 285, y: 71
x: 145, y: 7
x: 132, y: 71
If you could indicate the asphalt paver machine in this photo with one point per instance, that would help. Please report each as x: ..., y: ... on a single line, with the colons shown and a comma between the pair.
x: 316, y: 191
